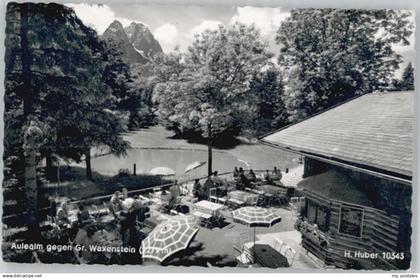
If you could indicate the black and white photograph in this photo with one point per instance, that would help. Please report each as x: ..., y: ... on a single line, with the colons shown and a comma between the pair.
x: 212, y: 136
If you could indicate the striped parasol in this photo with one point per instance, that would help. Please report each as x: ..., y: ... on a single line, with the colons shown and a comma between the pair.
x: 256, y: 217
x: 194, y: 165
x: 162, y: 171
x: 168, y: 238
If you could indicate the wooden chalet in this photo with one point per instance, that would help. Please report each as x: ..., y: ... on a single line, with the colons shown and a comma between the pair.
x: 357, y: 184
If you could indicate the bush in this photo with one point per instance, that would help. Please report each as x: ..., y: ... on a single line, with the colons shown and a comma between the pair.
x: 123, y: 172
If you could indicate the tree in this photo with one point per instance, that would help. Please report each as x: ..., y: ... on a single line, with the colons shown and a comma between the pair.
x: 208, y: 93
x: 331, y: 55
x: 144, y: 82
x: 118, y: 76
x: 406, y: 83
x: 408, y: 78
x: 55, y: 98
x: 268, y: 87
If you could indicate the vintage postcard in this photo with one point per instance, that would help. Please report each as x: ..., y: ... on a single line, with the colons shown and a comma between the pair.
x: 208, y: 135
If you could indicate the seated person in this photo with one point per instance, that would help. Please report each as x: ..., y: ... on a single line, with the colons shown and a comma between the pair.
x: 267, y: 176
x: 276, y: 175
x: 83, y: 216
x: 217, y: 181
x: 124, y: 193
x: 128, y: 220
x: 251, y: 176
x: 63, y: 214
x: 244, y: 181
x: 236, y: 172
x: 197, y: 190
x: 115, y: 203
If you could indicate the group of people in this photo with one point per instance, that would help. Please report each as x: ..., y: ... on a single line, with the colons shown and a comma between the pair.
x: 247, y: 179
x: 202, y: 191
x: 126, y: 211
x: 63, y: 216
x: 243, y: 179
x: 275, y: 175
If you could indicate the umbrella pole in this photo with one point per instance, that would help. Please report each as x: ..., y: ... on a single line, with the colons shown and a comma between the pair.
x: 253, y: 248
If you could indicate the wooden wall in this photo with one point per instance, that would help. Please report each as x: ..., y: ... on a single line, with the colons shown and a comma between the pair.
x: 379, y: 234
x: 388, y: 221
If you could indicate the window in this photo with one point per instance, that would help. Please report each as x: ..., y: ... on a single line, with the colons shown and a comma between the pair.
x: 351, y: 220
x: 318, y: 215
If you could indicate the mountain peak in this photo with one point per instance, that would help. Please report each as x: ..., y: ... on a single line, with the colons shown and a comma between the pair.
x: 117, y: 37
x: 116, y: 25
x: 136, y: 41
x: 142, y: 39
x: 115, y: 29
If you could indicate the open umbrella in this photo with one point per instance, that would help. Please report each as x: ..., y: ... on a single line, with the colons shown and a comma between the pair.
x: 162, y: 171
x: 194, y: 165
x: 256, y: 217
x: 168, y: 238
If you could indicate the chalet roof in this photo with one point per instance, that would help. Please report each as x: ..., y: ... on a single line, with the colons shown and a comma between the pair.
x: 374, y: 130
x: 335, y: 185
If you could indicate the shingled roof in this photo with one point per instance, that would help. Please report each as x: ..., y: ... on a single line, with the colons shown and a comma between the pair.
x: 375, y: 130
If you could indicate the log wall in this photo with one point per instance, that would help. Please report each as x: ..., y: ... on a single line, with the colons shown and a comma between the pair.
x: 380, y: 233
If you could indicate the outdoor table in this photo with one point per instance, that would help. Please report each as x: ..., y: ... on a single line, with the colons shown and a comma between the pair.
x: 213, y: 198
x: 208, y: 207
x: 236, y: 201
x: 260, y: 192
x: 201, y: 214
x: 267, y: 256
x: 273, y: 189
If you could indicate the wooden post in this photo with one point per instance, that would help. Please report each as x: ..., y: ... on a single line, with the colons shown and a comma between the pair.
x: 88, y: 164
x: 210, y: 158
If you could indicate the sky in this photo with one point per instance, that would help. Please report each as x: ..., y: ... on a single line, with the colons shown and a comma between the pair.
x: 175, y: 25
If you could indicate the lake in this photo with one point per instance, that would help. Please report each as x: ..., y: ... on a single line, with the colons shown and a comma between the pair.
x: 155, y: 147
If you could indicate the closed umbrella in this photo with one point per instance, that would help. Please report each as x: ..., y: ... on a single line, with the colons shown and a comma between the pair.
x: 194, y: 165
x: 162, y: 171
x: 256, y: 217
x: 168, y: 238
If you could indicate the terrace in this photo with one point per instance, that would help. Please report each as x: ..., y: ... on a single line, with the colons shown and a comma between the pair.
x: 220, y: 240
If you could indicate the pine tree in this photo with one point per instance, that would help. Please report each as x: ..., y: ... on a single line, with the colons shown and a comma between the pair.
x: 407, y: 80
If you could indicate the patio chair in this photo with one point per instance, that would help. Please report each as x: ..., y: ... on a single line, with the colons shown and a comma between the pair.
x: 290, y: 255
x: 241, y: 255
x: 222, y: 201
x: 280, y: 245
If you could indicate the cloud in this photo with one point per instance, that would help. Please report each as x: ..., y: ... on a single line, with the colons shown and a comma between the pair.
x: 98, y: 16
x: 205, y: 25
x: 266, y: 19
x: 166, y: 34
